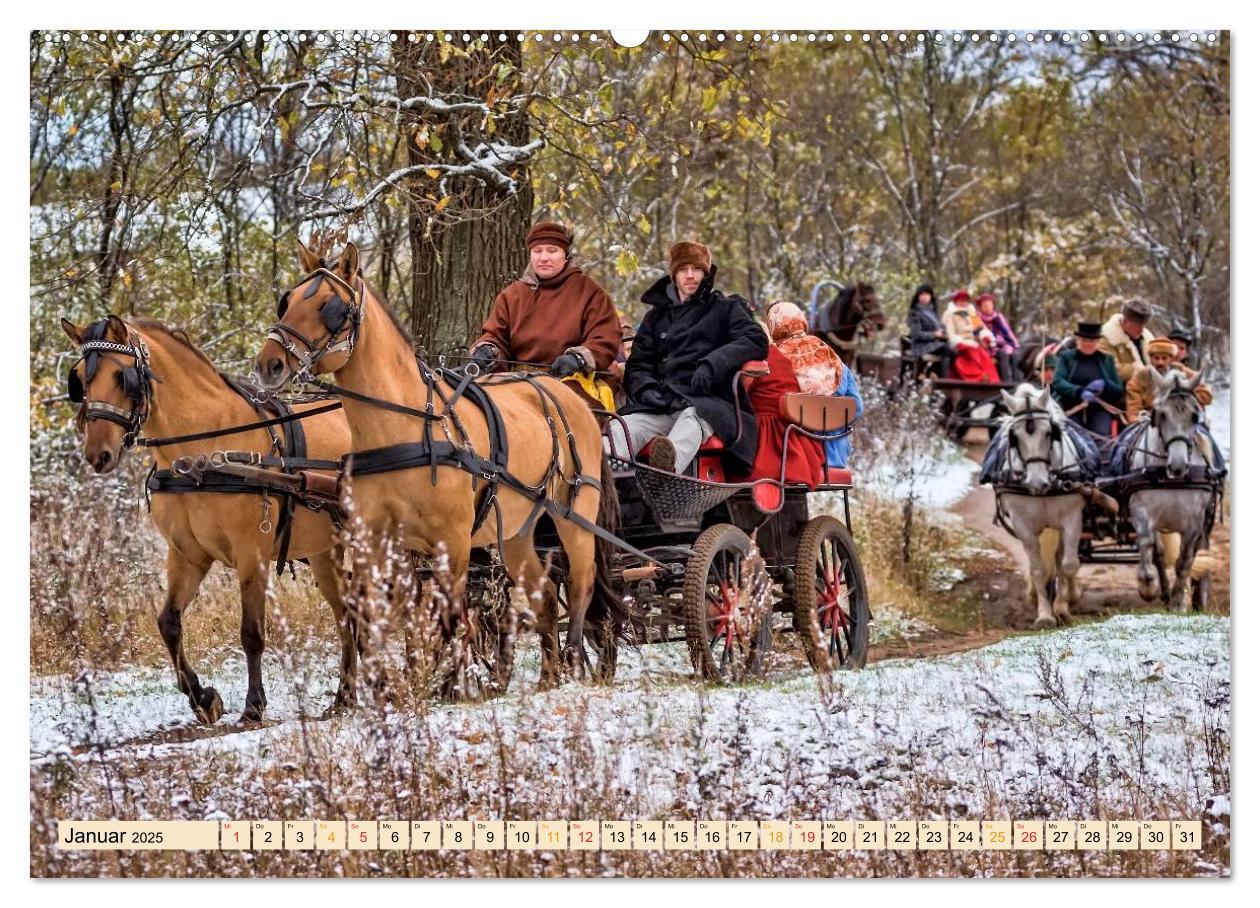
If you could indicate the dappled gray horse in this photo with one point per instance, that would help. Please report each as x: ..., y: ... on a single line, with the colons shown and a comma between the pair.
x: 1036, y: 470
x: 1179, y: 498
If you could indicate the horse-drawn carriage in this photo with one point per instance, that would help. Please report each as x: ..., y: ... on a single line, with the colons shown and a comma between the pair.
x: 681, y: 552
x: 710, y: 561
x: 853, y: 313
x: 1147, y: 496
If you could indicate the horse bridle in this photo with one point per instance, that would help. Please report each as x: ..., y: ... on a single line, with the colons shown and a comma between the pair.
x: 1030, y: 417
x: 338, y: 317
x: 137, y: 385
x: 1158, y: 424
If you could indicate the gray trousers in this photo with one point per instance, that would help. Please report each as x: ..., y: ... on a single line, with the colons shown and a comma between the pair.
x: 684, y: 428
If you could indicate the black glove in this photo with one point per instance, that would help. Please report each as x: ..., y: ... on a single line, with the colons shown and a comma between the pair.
x: 567, y: 364
x: 654, y: 397
x: 485, y: 357
x: 702, y: 379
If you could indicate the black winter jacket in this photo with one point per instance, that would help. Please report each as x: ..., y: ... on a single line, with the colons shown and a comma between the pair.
x: 675, y: 338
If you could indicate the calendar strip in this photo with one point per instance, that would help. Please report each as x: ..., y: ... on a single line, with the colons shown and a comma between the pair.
x: 632, y: 835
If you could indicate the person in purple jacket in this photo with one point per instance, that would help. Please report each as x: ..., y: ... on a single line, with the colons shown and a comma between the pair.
x: 1005, y: 343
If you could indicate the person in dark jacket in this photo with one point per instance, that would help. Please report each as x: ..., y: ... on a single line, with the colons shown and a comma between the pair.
x: 679, y: 375
x: 927, y: 331
x: 1086, y: 375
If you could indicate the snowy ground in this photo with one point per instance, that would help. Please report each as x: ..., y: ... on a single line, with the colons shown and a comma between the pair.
x: 1066, y: 723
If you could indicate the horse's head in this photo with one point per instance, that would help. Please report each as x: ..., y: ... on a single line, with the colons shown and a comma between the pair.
x: 112, y: 382
x: 317, y: 321
x: 1033, y: 429
x: 1175, y: 417
x: 866, y: 304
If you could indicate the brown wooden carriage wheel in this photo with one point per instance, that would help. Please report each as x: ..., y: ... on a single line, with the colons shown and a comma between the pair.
x: 721, y: 589
x: 832, y: 610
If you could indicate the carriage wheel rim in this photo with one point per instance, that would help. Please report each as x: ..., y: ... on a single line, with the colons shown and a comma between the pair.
x: 835, y: 623
x: 722, y: 596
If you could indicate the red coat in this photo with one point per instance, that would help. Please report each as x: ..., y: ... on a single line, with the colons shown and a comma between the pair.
x: 973, y: 363
x: 804, y: 455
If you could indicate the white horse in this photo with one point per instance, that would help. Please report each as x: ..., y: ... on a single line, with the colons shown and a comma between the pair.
x: 1170, y: 515
x: 1039, y: 500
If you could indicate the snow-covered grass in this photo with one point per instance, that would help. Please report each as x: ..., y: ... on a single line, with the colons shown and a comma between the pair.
x: 1126, y: 718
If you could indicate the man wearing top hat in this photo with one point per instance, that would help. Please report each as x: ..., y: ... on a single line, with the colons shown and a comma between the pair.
x: 1084, y: 374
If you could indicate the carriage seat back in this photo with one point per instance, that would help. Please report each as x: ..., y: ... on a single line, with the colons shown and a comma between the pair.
x: 818, y: 413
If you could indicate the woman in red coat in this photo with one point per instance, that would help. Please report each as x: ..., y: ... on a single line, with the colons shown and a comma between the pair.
x: 804, y: 454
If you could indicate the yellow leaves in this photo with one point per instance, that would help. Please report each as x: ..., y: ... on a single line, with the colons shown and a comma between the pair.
x: 116, y: 185
x: 432, y: 173
x: 626, y: 263
x: 73, y: 130
x: 442, y: 203
x: 645, y: 226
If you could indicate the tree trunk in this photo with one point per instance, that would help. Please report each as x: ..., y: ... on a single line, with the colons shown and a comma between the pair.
x: 462, y: 257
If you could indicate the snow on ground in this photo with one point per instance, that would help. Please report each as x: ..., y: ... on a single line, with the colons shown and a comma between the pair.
x: 1218, y: 416
x: 1075, y: 720
x: 942, y: 484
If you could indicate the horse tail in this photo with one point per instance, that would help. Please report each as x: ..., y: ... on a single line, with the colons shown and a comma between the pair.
x: 609, y: 612
x: 1049, y: 543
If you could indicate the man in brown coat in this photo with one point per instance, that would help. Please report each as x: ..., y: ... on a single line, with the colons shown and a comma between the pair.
x: 553, y: 315
x: 1125, y: 337
x: 1140, y: 389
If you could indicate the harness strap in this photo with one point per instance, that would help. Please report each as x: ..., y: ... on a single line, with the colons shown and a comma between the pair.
x: 238, y: 430
x: 374, y: 401
x: 164, y: 481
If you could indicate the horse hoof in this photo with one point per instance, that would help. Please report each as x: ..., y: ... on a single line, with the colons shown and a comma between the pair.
x: 1044, y: 623
x: 209, y: 706
x: 1064, y: 619
x: 253, y: 714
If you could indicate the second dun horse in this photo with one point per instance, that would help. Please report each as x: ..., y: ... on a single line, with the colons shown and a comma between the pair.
x: 142, y: 375
x: 446, y: 463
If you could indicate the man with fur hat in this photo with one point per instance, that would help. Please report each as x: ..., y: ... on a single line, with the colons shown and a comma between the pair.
x: 554, y: 316
x: 1125, y: 337
x: 1140, y: 389
x: 679, y: 375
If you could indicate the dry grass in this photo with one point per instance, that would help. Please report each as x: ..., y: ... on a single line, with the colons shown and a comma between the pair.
x: 405, y: 756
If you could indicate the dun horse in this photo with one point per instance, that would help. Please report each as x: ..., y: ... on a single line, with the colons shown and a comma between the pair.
x: 1035, y: 469
x: 143, y: 375
x: 1172, y: 516
x: 332, y: 322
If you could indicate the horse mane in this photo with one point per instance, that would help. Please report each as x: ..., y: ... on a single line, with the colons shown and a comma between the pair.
x: 1025, y: 393
x: 393, y: 317
x: 179, y: 335
x: 389, y: 310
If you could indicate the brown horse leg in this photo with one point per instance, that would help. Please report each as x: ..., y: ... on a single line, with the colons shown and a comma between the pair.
x: 524, y: 568
x: 253, y: 637
x: 579, y: 547
x: 325, y: 570
x: 183, y: 578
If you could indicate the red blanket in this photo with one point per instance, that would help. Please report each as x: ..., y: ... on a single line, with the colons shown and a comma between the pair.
x: 973, y: 363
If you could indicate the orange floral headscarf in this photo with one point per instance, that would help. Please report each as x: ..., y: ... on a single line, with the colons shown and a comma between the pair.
x: 818, y: 369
